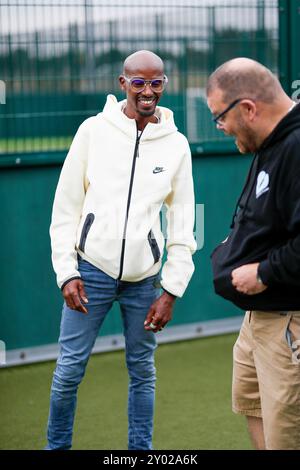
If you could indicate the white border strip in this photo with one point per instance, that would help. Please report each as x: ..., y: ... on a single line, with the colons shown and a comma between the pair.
x: 116, y: 342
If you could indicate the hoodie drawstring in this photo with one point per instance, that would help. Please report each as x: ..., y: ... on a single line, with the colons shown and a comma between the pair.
x: 236, y: 211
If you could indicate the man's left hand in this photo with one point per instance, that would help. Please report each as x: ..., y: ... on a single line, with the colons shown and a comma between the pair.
x: 160, y: 313
x: 244, y: 279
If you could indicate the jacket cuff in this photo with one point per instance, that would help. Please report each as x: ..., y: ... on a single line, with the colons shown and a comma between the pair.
x: 265, y: 272
x: 67, y: 282
x: 172, y: 295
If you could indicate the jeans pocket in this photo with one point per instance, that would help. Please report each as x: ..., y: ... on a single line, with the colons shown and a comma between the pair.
x: 156, y: 283
x: 82, y: 263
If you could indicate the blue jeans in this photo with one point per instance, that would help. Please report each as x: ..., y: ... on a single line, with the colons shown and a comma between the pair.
x: 78, y: 333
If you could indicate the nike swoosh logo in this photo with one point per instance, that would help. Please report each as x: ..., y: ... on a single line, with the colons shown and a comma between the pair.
x: 158, y: 170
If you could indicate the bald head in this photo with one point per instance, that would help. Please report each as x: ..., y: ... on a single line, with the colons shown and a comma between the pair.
x: 245, y: 78
x: 141, y: 60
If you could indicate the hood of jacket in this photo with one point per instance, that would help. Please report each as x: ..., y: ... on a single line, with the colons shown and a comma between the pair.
x: 112, y: 112
x: 286, y: 126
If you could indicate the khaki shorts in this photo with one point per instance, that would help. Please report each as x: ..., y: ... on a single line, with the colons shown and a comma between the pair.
x: 266, y: 375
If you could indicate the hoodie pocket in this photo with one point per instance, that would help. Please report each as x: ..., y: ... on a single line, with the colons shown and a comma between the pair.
x: 85, y: 230
x: 154, y: 246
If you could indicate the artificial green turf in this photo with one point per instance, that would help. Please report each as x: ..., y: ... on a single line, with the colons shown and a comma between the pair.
x: 193, y: 401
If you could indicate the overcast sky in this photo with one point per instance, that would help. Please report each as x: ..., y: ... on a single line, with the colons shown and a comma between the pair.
x: 32, y: 15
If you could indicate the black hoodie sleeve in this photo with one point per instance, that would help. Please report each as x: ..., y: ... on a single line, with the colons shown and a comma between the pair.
x: 283, y: 263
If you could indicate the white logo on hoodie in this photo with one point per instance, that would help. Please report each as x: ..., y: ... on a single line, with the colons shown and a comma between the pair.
x: 262, y: 184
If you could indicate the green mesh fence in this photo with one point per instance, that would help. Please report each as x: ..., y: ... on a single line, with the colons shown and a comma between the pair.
x: 58, y: 60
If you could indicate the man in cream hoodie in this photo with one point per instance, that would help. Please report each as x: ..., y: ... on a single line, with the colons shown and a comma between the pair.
x: 107, y: 243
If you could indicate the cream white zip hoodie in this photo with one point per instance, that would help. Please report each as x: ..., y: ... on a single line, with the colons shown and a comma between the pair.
x: 109, y: 196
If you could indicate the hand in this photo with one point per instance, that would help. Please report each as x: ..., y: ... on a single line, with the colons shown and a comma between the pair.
x: 73, y: 293
x: 244, y: 279
x: 160, y: 312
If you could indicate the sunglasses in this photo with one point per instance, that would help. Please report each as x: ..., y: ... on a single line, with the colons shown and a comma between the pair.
x: 139, y: 84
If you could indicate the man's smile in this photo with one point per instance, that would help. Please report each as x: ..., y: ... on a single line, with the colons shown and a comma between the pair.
x: 146, y: 101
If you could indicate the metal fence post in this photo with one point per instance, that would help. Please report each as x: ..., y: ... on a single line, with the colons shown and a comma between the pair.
x: 294, y: 44
x: 289, y: 37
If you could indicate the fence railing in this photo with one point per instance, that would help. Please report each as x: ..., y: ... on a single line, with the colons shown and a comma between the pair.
x: 58, y: 61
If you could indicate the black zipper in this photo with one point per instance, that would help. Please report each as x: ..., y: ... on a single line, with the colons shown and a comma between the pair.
x: 135, y: 156
x: 154, y: 246
x: 85, y: 230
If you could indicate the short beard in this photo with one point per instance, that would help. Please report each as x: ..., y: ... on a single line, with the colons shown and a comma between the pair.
x: 146, y: 113
x: 248, y: 140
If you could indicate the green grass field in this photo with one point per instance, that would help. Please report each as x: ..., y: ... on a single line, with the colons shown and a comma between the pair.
x: 193, y: 401
x: 34, y: 144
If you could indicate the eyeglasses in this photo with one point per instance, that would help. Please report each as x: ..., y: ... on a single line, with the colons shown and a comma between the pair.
x: 219, y: 119
x: 138, y: 85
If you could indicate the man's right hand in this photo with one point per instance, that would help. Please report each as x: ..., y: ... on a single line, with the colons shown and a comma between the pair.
x: 74, y: 294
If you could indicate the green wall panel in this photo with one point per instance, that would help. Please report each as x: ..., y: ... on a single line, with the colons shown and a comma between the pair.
x: 30, y: 300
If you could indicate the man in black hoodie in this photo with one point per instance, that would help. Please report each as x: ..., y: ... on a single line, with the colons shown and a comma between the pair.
x: 257, y: 267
